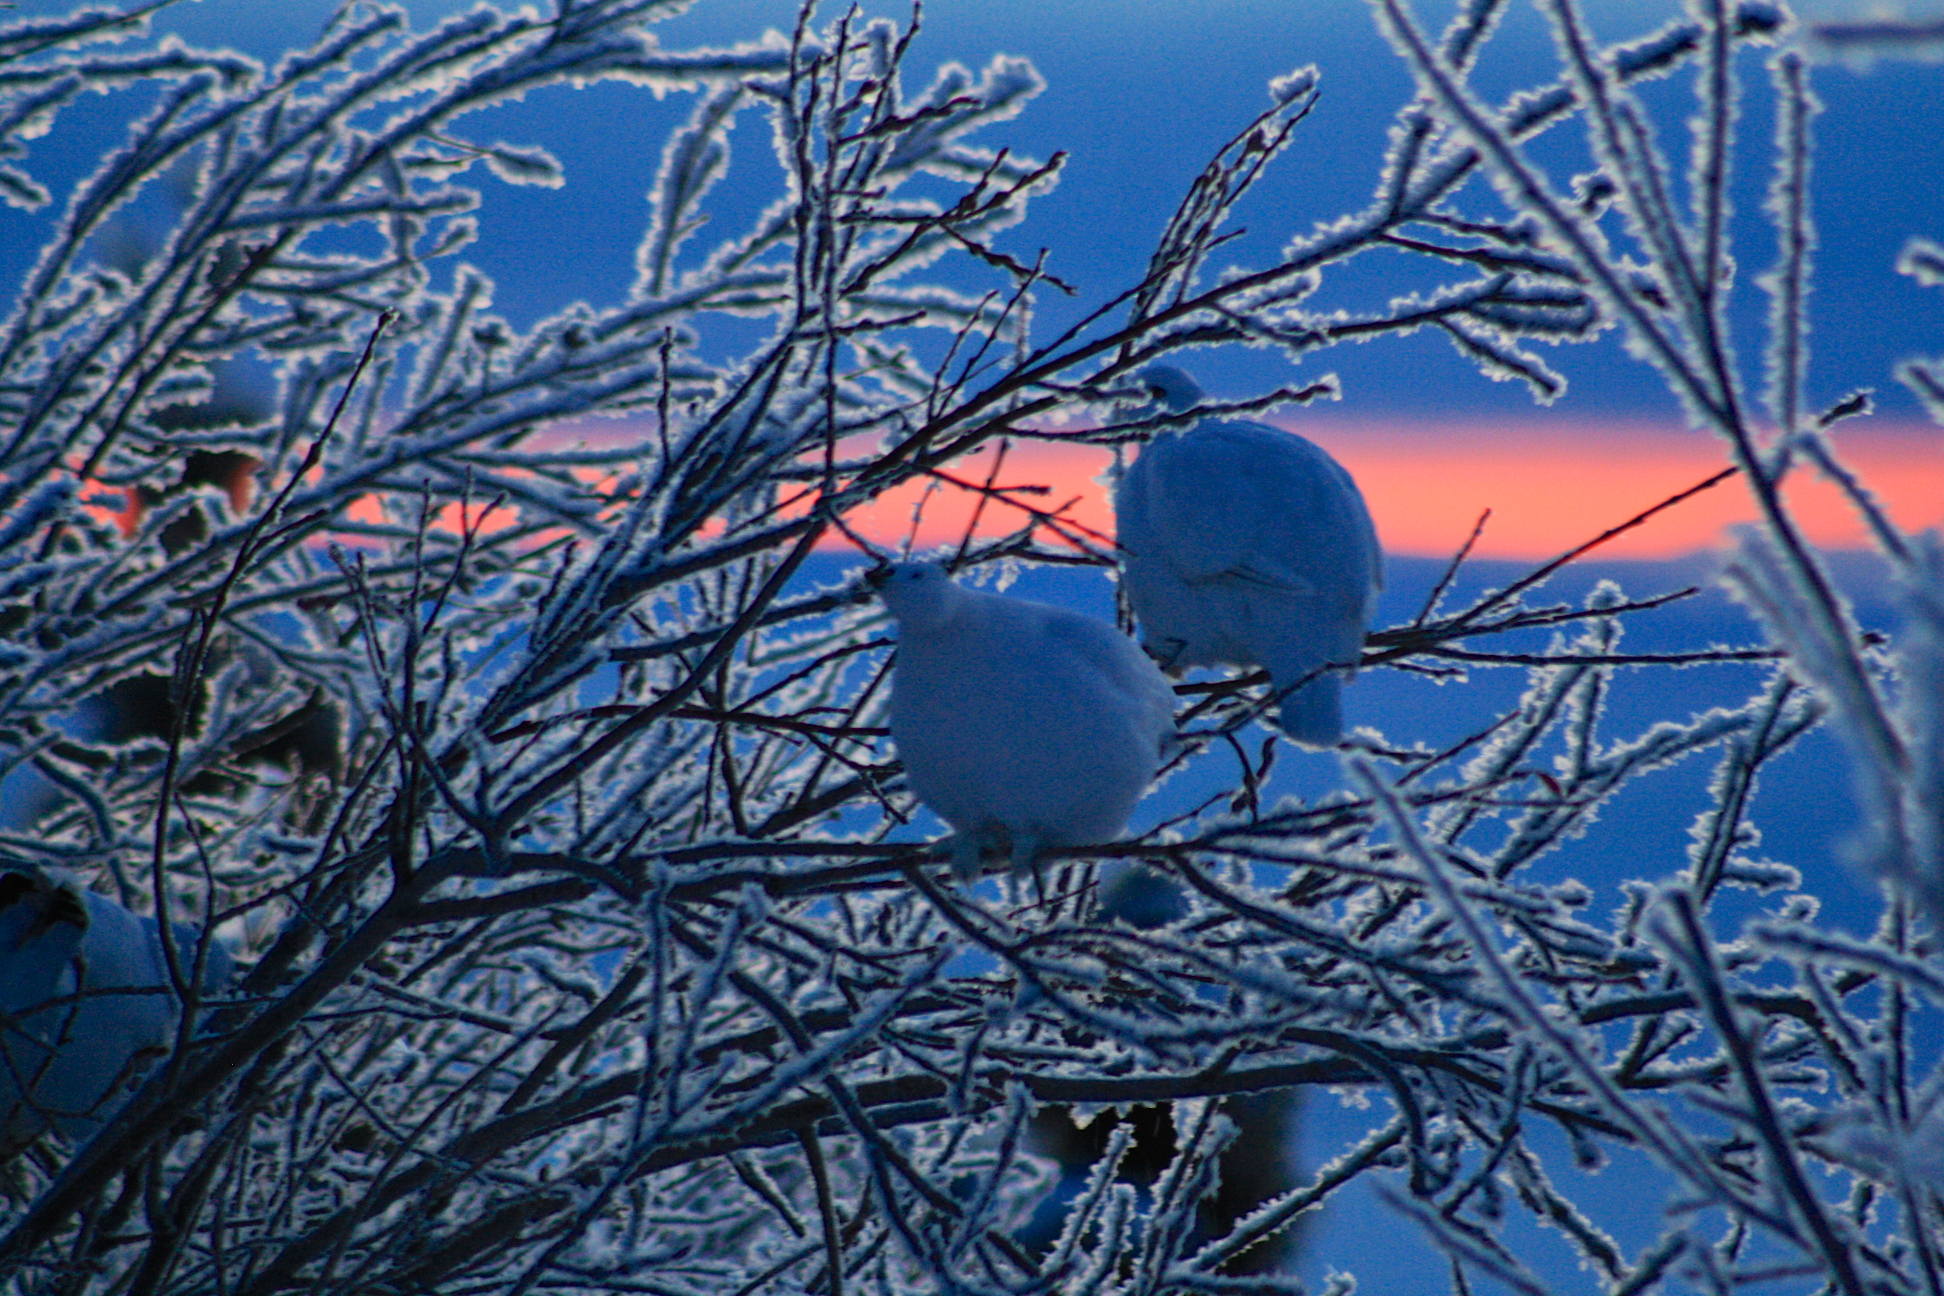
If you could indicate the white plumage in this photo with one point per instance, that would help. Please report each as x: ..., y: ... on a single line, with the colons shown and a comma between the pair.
x: 1245, y: 545
x: 1021, y: 725
x: 84, y: 987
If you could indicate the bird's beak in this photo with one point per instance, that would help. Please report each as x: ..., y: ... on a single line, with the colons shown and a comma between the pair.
x: 876, y: 578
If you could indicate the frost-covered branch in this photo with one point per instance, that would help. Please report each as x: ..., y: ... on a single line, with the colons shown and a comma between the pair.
x: 546, y: 797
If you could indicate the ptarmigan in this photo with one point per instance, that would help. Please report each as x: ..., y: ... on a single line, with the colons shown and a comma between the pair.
x: 1021, y: 725
x: 85, y: 990
x: 1245, y: 545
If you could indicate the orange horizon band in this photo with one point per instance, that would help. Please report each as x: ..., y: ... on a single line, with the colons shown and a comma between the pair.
x: 1549, y: 486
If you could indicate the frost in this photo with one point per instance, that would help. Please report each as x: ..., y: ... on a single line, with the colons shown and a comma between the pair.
x: 1288, y: 89
x: 541, y: 775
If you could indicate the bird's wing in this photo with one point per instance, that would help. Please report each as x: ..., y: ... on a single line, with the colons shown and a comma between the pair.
x: 1245, y: 502
x: 1168, y: 498
x: 1112, y: 656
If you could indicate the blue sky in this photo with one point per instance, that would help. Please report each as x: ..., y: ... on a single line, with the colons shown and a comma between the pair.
x: 1140, y: 93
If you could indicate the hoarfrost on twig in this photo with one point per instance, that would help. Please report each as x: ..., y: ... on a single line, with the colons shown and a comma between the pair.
x: 547, y: 795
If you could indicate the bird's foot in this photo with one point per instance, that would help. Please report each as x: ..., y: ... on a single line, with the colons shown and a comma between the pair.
x: 968, y: 851
x: 1026, y: 848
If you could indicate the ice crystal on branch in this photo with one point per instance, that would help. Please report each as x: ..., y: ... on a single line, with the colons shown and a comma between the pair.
x: 547, y: 804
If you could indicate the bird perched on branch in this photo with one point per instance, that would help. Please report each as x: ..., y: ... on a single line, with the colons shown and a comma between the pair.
x: 86, y: 1001
x: 1245, y: 545
x: 1023, y: 726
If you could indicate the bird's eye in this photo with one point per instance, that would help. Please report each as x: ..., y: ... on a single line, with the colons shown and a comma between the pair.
x: 1155, y: 391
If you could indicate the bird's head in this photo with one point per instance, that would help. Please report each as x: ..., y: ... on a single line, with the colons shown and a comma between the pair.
x: 920, y: 595
x: 33, y: 901
x: 1169, y: 388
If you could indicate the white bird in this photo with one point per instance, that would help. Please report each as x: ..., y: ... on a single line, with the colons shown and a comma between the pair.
x: 1245, y: 545
x: 85, y: 1003
x: 1022, y: 725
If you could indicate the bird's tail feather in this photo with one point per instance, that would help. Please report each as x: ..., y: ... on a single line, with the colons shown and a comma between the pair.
x: 1313, y: 714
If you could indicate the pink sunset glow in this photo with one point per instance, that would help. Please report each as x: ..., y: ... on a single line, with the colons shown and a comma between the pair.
x: 1549, y: 486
